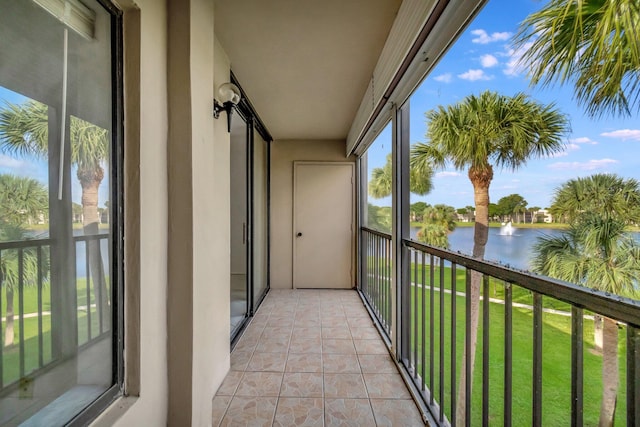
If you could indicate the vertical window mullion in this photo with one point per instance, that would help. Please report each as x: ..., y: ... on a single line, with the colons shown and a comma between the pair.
x: 401, y: 230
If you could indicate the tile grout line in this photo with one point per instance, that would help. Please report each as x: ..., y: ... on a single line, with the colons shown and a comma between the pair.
x: 321, y: 327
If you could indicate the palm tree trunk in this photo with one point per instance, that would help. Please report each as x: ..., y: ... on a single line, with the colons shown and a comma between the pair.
x: 480, y: 180
x: 609, y: 373
x: 9, y: 328
x: 90, y: 182
x: 598, y: 325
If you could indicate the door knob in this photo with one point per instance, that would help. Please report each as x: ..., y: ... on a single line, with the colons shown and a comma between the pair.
x: 299, y: 234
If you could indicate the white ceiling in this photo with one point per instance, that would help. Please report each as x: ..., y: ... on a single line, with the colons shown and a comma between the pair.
x: 304, y: 64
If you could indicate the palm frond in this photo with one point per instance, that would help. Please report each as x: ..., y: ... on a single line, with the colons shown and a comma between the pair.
x: 594, y: 252
x: 24, y: 129
x: 381, y: 180
x: 592, y: 44
x: 606, y: 195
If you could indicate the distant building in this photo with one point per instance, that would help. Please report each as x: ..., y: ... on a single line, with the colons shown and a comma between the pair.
x: 546, y: 216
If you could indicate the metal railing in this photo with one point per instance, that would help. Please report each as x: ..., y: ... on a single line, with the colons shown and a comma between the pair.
x: 32, y: 349
x: 376, y: 275
x: 534, y: 361
x: 94, y: 272
x: 518, y: 313
x: 18, y: 253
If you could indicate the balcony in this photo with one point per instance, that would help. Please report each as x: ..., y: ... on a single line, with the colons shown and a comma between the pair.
x: 534, y: 362
x: 325, y: 79
x: 313, y: 356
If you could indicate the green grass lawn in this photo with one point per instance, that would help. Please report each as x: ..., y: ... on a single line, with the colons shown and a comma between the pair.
x: 76, y: 226
x: 556, y: 363
x: 556, y: 354
x: 496, y: 287
x: 30, y: 300
x: 11, y: 354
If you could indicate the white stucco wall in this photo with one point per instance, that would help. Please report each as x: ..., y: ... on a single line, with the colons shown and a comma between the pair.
x: 153, y: 218
x: 209, y: 321
x: 211, y: 259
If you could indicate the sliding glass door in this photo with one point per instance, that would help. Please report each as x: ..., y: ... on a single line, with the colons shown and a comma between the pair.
x: 249, y: 186
x: 240, y: 204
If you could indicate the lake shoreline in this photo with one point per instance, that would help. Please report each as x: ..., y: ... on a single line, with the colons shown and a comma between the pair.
x: 542, y: 225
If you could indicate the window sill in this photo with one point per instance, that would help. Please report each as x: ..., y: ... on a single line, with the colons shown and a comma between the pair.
x: 116, y: 410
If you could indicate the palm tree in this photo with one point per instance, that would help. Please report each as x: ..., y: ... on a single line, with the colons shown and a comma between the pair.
x: 438, y: 222
x: 521, y: 207
x: 595, y: 252
x: 533, y: 210
x: 381, y: 185
x: 24, y: 132
x: 379, y: 218
x: 476, y: 134
x: 592, y: 43
x: 607, y: 195
x: 20, y: 200
x: 381, y: 182
x: 416, y: 210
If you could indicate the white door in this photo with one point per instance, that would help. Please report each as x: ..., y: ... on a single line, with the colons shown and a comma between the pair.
x: 323, y: 225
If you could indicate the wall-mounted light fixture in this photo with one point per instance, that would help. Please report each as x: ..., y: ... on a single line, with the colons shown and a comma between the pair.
x: 228, y: 97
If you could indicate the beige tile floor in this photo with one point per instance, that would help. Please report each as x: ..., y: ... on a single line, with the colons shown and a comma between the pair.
x: 313, y: 358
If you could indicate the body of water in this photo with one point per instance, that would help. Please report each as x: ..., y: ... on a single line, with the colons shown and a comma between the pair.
x: 81, y: 250
x: 515, y: 249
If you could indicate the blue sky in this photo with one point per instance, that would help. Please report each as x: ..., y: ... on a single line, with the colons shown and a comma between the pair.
x: 483, y: 59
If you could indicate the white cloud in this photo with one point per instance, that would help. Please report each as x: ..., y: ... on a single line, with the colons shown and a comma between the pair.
x: 513, y: 66
x: 483, y: 38
x: 583, y: 140
x: 567, y: 149
x: 624, y: 134
x: 584, y: 166
x: 10, y: 162
x: 444, y: 78
x: 488, y: 61
x: 473, y: 75
x: 446, y: 174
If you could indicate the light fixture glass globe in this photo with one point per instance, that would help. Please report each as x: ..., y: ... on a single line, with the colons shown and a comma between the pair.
x: 228, y: 92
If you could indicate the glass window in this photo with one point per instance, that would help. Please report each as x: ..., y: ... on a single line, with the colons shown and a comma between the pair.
x: 58, y: 193
x: 377, y: 164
